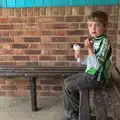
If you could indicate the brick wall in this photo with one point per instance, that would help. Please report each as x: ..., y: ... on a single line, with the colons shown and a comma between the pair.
x: 118, y: 44
x: 44, y: 37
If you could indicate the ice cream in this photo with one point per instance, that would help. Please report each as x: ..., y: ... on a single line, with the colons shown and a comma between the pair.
x: 76, y: 47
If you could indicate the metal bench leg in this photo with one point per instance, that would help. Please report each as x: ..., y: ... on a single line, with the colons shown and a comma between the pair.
x: 84, y: 108
x: 33, y: 93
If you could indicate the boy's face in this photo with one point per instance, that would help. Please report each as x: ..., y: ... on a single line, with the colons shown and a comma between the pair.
x: 95, y: 28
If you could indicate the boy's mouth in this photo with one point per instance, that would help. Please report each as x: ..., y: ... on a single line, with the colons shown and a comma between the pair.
x: 94, y: 32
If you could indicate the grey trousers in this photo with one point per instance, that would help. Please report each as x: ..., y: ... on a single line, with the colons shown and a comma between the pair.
x: 71, y: 88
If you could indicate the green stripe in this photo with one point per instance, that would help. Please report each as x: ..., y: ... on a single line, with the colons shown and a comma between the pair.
x: 91, y: 71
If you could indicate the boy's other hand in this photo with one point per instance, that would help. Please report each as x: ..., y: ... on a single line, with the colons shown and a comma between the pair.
x: 78, y: 55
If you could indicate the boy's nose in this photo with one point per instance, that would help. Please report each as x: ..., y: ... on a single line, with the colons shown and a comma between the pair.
x: 93, y: 27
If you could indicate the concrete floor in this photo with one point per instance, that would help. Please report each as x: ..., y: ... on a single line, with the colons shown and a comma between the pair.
x: 17, y: 108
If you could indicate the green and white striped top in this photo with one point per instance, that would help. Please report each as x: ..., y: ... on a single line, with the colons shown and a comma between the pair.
x: 99, y: 64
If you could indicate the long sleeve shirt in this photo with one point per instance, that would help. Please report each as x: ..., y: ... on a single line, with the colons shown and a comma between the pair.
x: 100, y: 62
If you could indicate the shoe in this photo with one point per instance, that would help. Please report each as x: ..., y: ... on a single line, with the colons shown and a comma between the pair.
x: 66, y: 118
x: 71, y: 115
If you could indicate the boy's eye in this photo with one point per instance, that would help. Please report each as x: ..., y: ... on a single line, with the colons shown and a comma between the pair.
x: 97, y: 25
x: 90, y: 25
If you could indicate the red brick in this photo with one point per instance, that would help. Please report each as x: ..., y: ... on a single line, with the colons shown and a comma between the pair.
x: 75, y: 32
x: 61, y: 46
x: 71, y: 58
x: 108, y: 9
x: 7, y: 58
x: 46, y: 93
x: 6, y: 27
x: 74, y: 25
x: 32, y: 39
x: 21, y: 87
x: 59, y: 26
x: 47, y: 32
x: 45, y: 26
x: 82, y: 39
x: 34, y: 58
x: 16, y: 33
x: 9, y: 82
x: 56, y: 11
x: 49, y: 81
x: 59, y: 39
x: 74, y: 19
x: 59, y: 19
x: 16, y: 20
x: 32, y: 64
x: 30, y: 20
x: 10, y: 12
x: 30, y: 11
x: 4, y: 33
x: 21, y: 82
x: 18, y: 52
x: 6, y: 46
x: 33, y: 33
x: 46, y: 87
x: 60, y: 32
x: 24, y: 11
x: 6, y: 39
x: 8, y: 87
x: 34, y: 46
x: 60, y: 58
x: 83, y: 25
x: 57, y: 64
x: 33, y: 52
x: 42, y: 11
x: 17, y: 12
x: 17, y: 26
x: 21, y: 93
x: 3, y: 20
x: 36, y: 11
x: 20, y: 46
x: 7, y: 63
x: 7, y: 52
x: 47, y: 45
x: 9, y: 93
x: 2, y: 81
x: 60, y: 52
x: 62, y: 11
x: 2, y: 93
x: 46, y: 63
x: 57, y: 88
x: 20, y: 58
x: 45, y: 19
x: 48, y: 58
x: 112, y: 32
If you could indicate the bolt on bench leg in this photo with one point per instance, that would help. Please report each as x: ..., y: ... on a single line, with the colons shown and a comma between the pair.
x: 33, y: 93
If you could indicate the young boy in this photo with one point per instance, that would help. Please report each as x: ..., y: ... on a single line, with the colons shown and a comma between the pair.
x: 96, y: 74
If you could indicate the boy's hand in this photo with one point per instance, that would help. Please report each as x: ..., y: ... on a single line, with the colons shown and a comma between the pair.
x: 78, y: 55
x: 87, y: 44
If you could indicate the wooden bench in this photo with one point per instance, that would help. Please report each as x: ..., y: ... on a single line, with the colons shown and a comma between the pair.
x: 100, y: 109
x: 99, y: 104
x: 34, y: 72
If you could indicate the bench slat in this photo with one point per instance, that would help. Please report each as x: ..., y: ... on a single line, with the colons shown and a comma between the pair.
x: 84, y: 108
x: 101, y: 113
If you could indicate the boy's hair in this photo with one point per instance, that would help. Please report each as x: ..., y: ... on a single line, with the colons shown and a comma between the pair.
x: 99, y: 16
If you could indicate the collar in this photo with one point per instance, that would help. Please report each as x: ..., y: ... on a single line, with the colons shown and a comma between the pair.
x: 100, y: 37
